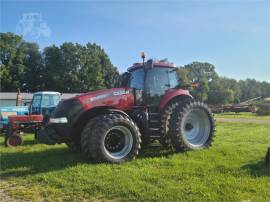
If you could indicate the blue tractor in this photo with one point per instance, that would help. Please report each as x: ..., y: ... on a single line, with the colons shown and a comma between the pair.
x: 18, y: 119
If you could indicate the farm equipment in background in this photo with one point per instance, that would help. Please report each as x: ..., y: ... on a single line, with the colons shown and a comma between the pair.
x: 246, y: 106
x: 9, y: 111
x: 43, y: 103
x: 148, y: 105
x: 263, y: 107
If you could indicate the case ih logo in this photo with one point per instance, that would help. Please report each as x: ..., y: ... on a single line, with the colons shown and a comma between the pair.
x: 121, y: 92
x: 99, y: 97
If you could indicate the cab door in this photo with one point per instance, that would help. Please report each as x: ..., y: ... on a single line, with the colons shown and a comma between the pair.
x: 156, y: 85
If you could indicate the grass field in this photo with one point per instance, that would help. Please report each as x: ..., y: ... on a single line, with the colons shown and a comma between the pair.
x: 233, y: 169
x: 245, y: 115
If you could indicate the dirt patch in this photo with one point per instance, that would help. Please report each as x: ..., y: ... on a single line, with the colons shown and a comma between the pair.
x: 6, y: 198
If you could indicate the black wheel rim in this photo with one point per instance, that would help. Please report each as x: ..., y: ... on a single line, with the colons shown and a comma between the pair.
x: 118, y: 142
x: 115, y: 141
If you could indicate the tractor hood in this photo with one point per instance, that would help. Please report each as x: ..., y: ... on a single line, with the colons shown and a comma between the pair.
x: 121, y: 98
x: 68, y: 112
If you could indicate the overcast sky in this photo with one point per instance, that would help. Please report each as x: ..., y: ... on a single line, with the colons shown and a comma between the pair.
x: 232, y: 35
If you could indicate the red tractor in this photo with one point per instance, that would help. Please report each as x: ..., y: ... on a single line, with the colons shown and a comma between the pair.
x: 42, y: 104
x: 149, y: 104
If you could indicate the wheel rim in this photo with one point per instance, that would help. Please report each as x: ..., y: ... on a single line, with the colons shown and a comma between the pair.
x: 14, y: 141
x: 195, y: 127
x: 118, y: 142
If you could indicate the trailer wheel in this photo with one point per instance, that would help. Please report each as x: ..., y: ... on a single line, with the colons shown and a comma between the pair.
x: 111, y: 138
x: 192, y: 126
x: 13, y: 140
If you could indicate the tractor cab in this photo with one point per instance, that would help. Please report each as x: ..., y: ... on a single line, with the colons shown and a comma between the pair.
x: 45, y: 101
x: 150, y: 81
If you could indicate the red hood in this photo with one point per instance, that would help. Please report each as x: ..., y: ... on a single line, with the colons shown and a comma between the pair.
x: 121, y: 98
x: 99, y: 92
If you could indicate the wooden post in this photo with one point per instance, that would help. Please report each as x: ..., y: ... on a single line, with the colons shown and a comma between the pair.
x: 19, y: 98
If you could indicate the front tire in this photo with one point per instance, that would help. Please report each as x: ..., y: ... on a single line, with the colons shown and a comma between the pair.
x: 13, y: 140
x: 111, y: 138
x: 192, y: 126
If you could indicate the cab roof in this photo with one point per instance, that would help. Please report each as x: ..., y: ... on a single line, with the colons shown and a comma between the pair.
x: 47, y: 93
x: 156, y: 63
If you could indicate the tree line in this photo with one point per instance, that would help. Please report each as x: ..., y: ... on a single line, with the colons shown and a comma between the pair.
x: 80, y: 68
x: 66, y: 68
x: 215, y: 89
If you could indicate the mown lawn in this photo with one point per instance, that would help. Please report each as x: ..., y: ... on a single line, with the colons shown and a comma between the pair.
x: 232, y: 170
x: 245, y: 115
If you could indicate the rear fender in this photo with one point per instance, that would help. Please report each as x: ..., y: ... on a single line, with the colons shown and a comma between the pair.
x: 172, y: 94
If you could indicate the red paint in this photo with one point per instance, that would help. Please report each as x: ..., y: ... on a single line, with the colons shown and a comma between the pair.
x: 119, y: 98
x: 25, y: 118
x: 107, y: 98
x: 170, y: 94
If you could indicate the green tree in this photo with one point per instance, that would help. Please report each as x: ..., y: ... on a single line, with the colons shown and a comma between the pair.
x: 182, y: 73
x: 201, y: 73
x: 53, y: 75
x: 70, y: 56
x: 76, y: 68
x: 96, y: 70
x: 12, y: 69
x: 32, y: 80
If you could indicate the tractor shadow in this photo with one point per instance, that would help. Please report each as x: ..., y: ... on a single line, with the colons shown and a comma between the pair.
x: 21, y: 164
x: 258, y: 169
x: 155, y: 151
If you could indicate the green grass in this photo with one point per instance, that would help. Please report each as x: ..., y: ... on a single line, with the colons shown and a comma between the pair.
x: 233, y: 169
x: 245, y: 115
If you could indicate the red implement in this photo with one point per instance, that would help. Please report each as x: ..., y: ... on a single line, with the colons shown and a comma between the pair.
x: 25, y: 118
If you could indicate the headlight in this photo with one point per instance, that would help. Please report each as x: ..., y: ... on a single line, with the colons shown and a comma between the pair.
x: 59, y: 120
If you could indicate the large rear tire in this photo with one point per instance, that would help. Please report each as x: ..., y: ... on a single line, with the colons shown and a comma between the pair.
x: 111, y: 138
x: 166, y: 116
x: 192, y: 126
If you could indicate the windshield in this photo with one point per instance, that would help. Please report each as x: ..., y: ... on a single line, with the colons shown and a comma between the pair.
x: 50, y: 100
x: 157, y: 78
x: 157, y: 81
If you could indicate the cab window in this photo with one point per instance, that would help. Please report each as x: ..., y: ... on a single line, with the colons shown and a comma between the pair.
x: 157, y: 81
x: 36, y: 101
x: 50, y: 100
x: 173, y: 78
x: 137, y: 79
